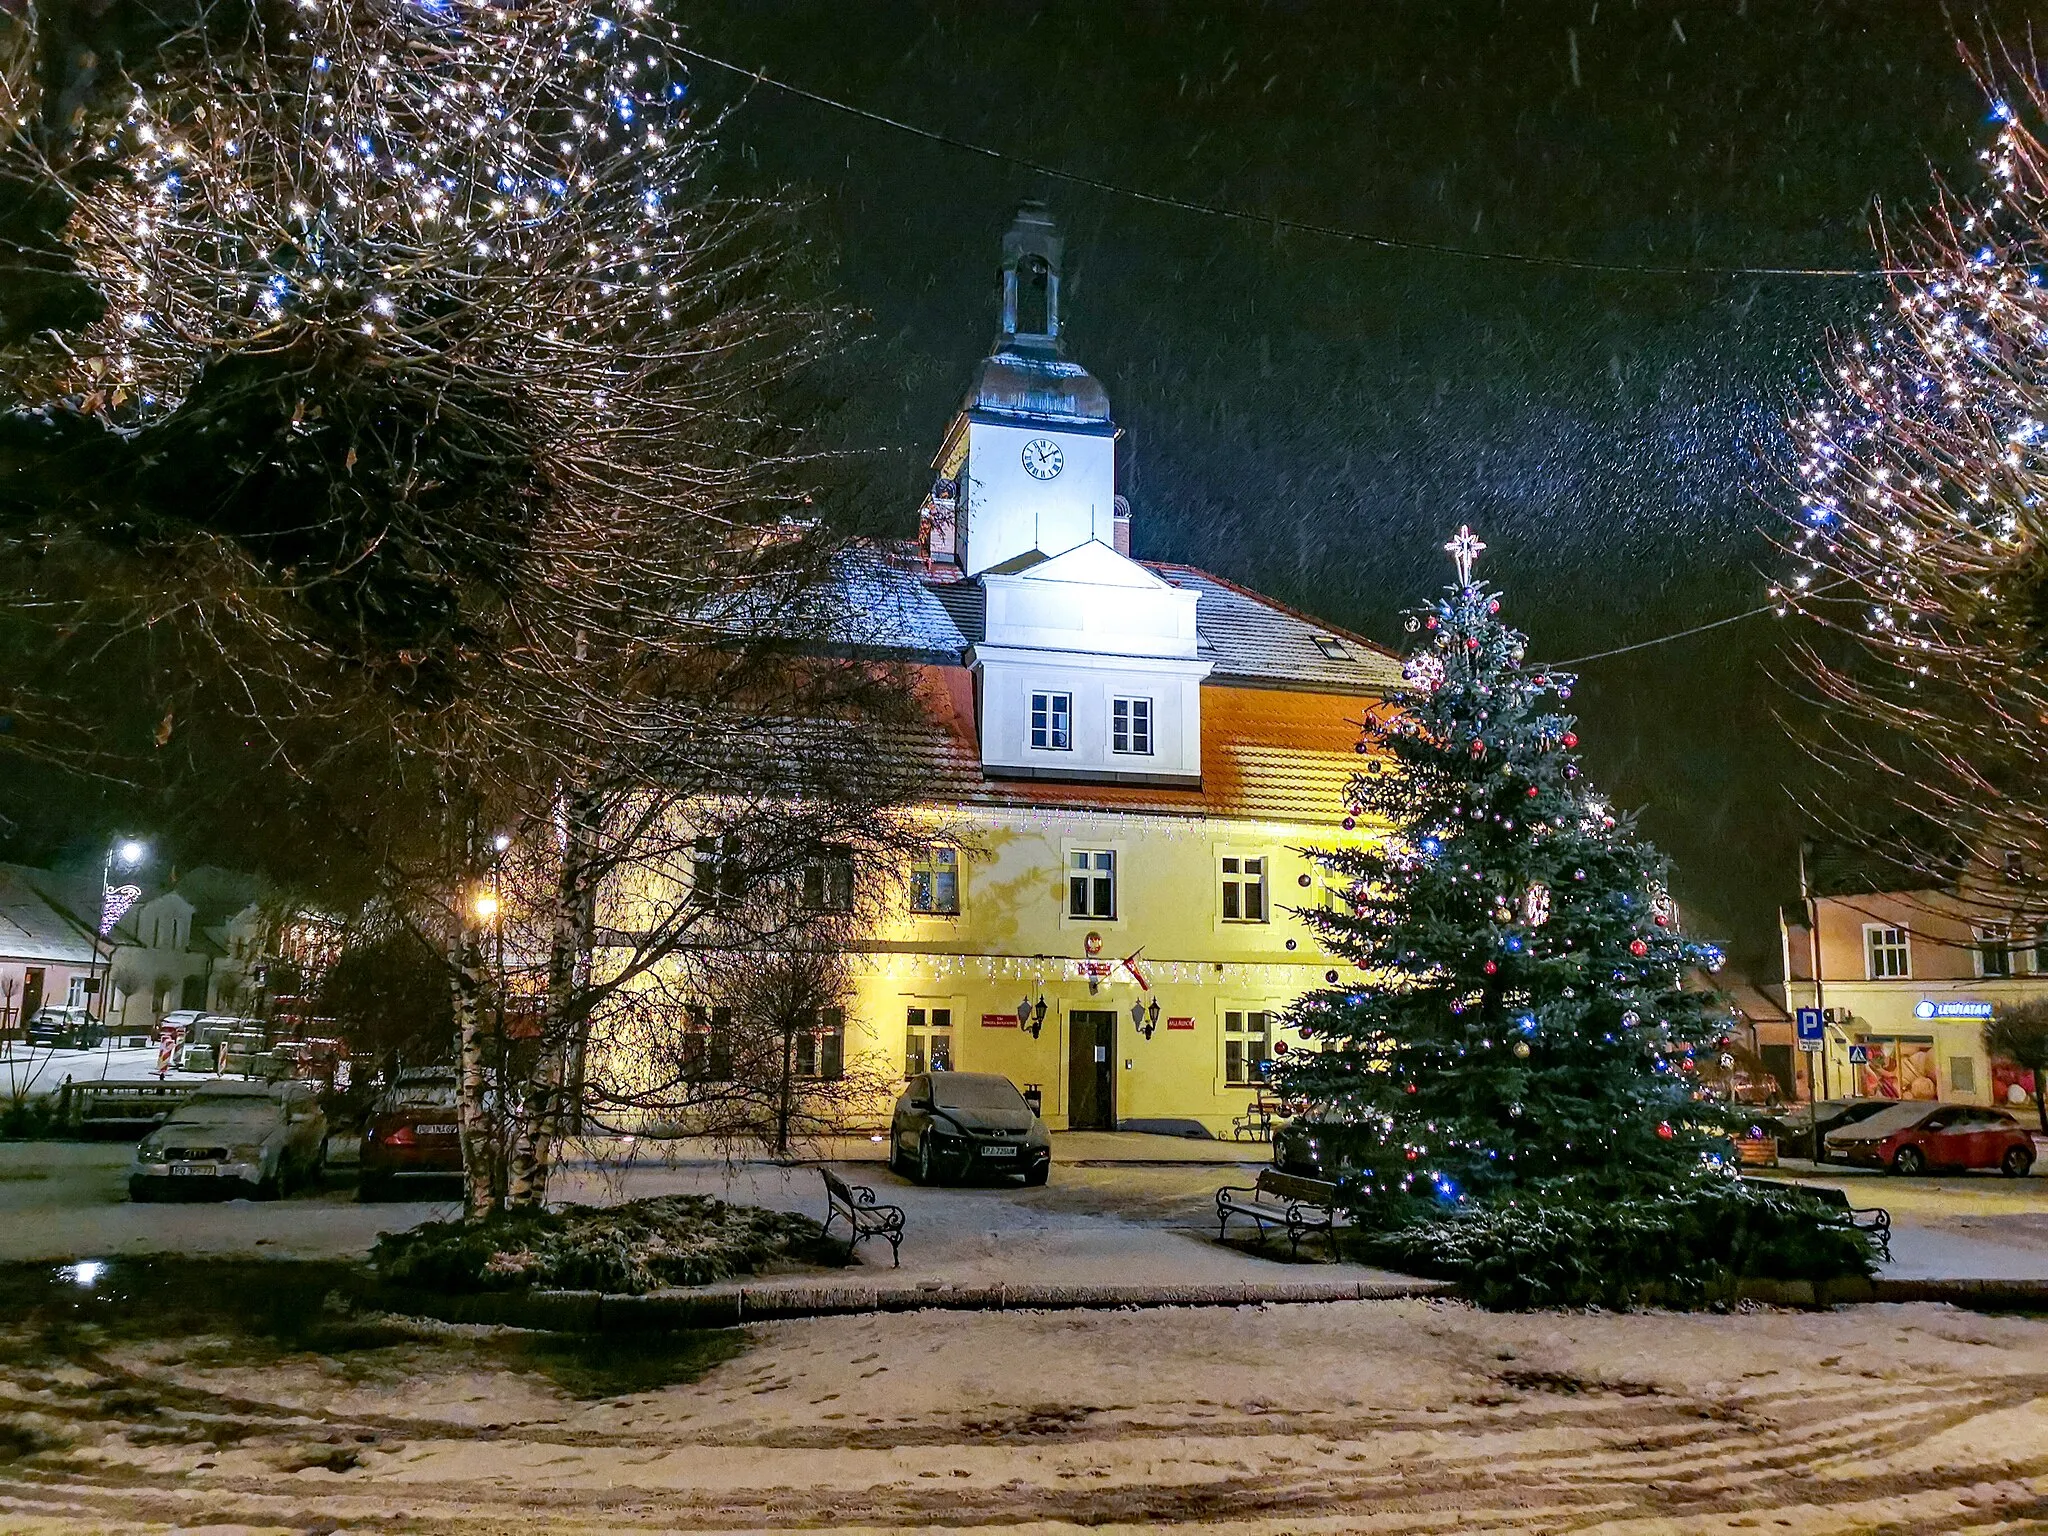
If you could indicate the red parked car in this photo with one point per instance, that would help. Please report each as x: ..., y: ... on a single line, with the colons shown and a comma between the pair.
x: 412, y: 1137
x: 1920, y: 1138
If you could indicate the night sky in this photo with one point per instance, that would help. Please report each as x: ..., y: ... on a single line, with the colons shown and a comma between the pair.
x: 1313, y: 418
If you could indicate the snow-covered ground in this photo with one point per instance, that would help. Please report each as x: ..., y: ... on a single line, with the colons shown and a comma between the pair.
x: 28, y: 1069
x: 1384, y: 1417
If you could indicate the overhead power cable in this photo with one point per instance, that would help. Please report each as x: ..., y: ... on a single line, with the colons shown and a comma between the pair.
x: 1275, y: 220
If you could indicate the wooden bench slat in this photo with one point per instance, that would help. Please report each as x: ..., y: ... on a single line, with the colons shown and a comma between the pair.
x: 1300, y: 1204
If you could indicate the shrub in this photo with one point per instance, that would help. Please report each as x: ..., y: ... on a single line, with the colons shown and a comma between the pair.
x: 1547, y: 1248
x: 639, y: 1246
x: 29, y: 1118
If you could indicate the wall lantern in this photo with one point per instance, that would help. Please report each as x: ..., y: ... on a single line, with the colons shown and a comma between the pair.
x: 1031, y: 1016
x: 1145, y: 1020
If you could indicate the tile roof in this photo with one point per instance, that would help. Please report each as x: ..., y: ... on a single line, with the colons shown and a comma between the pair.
x: 1261, y: 642
x: 34, y: 924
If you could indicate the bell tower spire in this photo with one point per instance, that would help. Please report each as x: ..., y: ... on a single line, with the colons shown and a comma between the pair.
x: 1031, y: 280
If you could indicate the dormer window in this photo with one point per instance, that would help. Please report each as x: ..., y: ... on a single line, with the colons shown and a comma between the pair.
x: 1052, y: 722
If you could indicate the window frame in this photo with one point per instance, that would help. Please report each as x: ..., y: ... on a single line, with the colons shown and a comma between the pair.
x: 716, y: 875
x: 1248, y: 1075
x: 820, y: 1053
x: 1139, y: 717
x: 1058, y: 710
x: 921, y: 1023
x: 930, y: 867
x: 707, y: 1043
x: 1872, y: 948
x: 1987, y: 939
x: 1092, y: 877
x: 827, y: 879
x: 1234, y: 883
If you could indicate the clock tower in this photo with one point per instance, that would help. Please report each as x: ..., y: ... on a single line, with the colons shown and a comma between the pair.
x: 1029, y: 463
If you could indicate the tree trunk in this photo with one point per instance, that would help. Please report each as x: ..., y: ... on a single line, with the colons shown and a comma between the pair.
x: 479, y: 1144
x: 2041, y: 1094
x: 785, y: 1086
x: 565, y: 1020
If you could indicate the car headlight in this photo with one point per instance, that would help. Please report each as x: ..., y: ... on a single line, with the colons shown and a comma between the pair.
x: 248, y: 1153
x: 148, y: 1154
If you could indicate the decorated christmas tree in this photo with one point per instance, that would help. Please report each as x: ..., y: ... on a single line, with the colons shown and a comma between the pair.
x: 1518, y: 1014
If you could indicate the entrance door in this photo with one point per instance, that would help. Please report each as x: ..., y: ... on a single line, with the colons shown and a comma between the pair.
x: 1091, y: 1070
x: 31, y: 992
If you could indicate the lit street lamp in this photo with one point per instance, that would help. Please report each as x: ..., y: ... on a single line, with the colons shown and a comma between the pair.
x: 128, y: 855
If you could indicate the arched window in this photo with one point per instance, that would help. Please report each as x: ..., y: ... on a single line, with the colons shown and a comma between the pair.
x: 1034, y: 296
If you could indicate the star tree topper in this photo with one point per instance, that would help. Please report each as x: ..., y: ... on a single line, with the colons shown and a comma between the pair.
x: 1465, y: 549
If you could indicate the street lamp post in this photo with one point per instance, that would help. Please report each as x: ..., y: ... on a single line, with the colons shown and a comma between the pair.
x: 128, y: 854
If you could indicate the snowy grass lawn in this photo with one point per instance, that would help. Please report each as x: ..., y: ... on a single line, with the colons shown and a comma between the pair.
x: 1380, y: 1416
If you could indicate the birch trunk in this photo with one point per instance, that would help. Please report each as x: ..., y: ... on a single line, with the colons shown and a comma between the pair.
x: 565, y: 1019
x: 479, y: 1141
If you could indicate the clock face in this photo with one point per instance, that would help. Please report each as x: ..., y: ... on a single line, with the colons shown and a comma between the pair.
x: 1043, y: 458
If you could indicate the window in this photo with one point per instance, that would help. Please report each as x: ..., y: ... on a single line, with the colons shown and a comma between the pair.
x: 935, y: 882
x: 1887, y: 953
x: 1091, y: 883
x: 2015, y: 867
x: 1994, y: 950
x: 716, y: 877
x: 828, y: 880
x: 1244, y: 889
x: 2041, y: 952
x: 707, y: 1044
x: 821, y: 1049
x: 1052, y: 719
x: 1130, y: 726
x: 927, y: 1041
x: 1247, y: 1047
x: 1962, y: 1074
x: 1332, y: 647
x: 75, y: 998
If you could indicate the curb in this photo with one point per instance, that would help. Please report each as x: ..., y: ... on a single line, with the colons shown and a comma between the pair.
x: 729, y: 1306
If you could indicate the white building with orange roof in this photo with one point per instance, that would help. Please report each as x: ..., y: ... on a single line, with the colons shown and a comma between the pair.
x: 1134, y: 757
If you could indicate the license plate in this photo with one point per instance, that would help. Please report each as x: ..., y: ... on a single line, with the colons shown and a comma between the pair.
x: 179, y: 1170
x: 998, y: 1151
x: 435, y: 1130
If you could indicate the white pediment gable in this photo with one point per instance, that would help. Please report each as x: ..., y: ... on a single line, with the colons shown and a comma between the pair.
x: 1095, y: 564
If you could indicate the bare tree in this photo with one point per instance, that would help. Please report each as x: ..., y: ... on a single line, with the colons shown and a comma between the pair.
x: 1919, y: 546
x: 488, y: 522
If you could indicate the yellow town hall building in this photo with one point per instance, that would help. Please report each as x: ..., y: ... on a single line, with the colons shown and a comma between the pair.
x: 1136, y: 755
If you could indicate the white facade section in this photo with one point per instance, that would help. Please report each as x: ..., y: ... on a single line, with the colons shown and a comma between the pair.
x: 1088, y: 627
x: 1010, y: 512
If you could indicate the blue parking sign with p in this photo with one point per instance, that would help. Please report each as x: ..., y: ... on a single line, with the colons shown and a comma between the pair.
x: 1809, y: 1022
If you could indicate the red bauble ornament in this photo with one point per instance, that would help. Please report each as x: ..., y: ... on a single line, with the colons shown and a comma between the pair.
x: 1471, y: 643
x: 1664, y: 1131
x: 1279, y: 1047
x: 1663, y: 921
x: 1532, y: 791
x: 1571, y: 739
x: 1478, y: 747
x: 1411, y: 1150
x: 1491, y: 967
x: 1638, y: 948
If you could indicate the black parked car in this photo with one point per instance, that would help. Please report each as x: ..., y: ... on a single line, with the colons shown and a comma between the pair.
x: 1318, y: 1145
x: 961, y: 1125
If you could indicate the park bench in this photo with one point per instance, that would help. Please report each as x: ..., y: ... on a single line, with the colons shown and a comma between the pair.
x: 1301, y: 1205
x: 128, y: 1110
x: 864, y: 1218
x: 1256, y: 1123
x: 1874, y: 1219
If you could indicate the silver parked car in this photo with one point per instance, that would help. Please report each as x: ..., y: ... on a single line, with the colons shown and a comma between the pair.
x: 232, y: 1139
x: 966, y: 1125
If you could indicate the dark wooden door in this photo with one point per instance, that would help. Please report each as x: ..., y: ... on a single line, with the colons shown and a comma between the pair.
x: 1091, y: 1070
